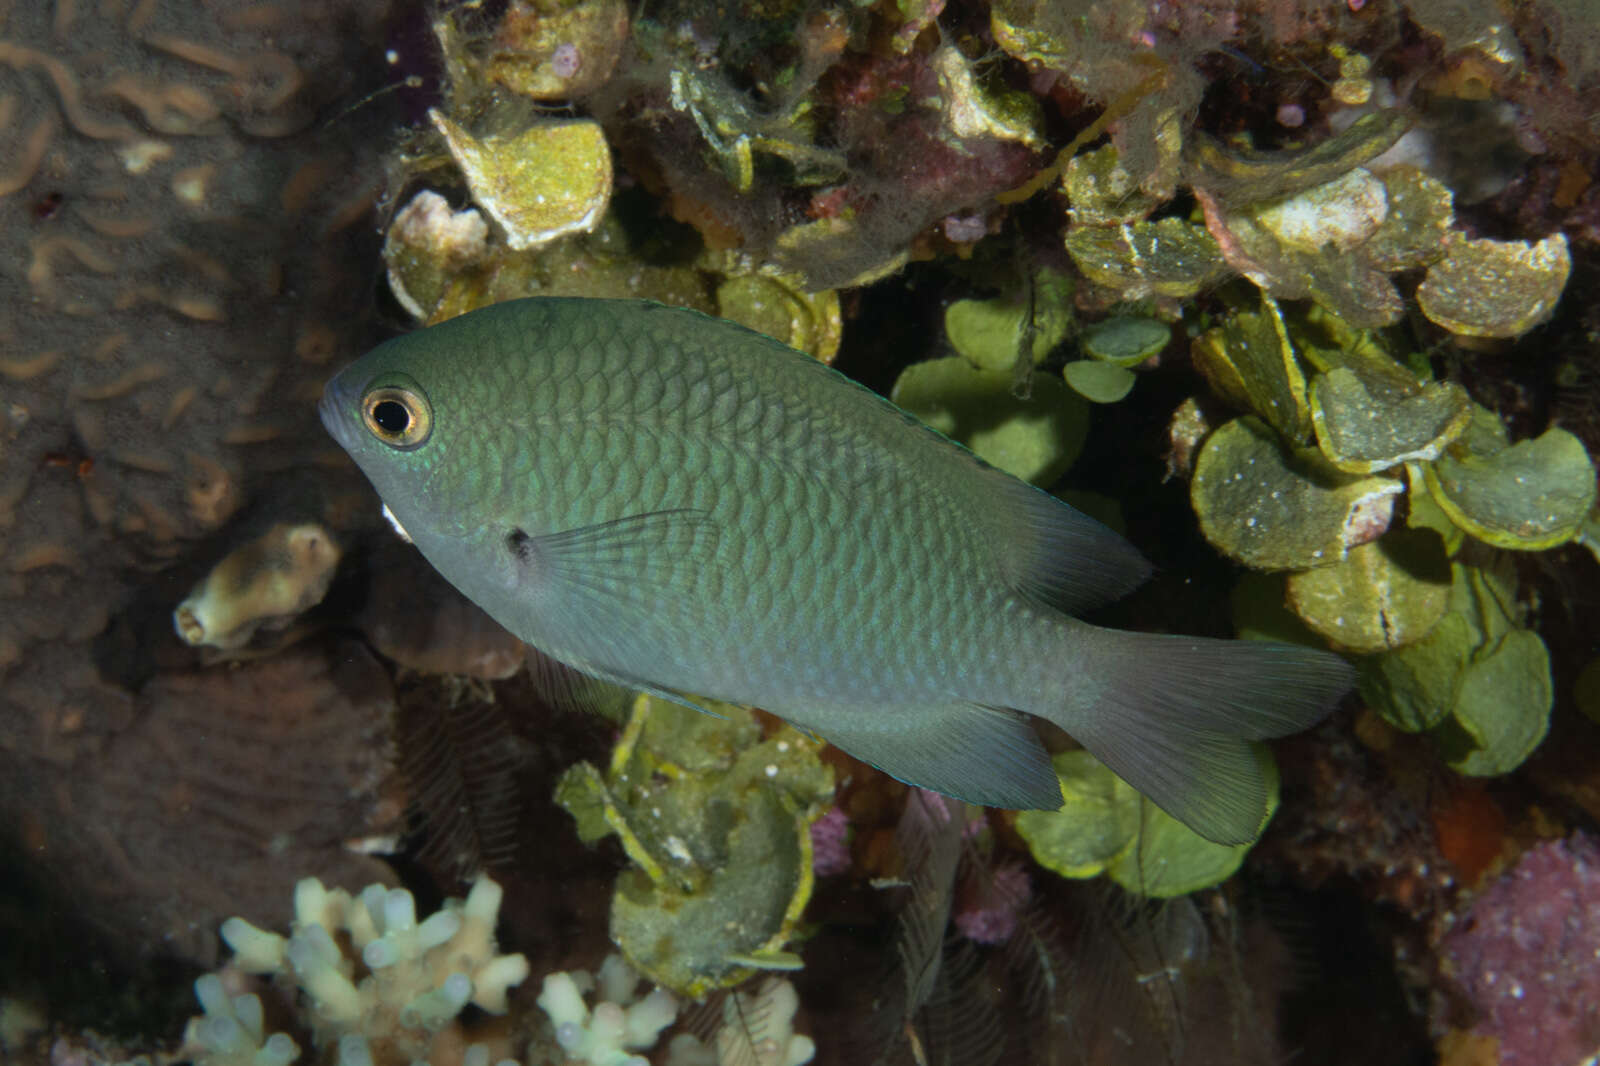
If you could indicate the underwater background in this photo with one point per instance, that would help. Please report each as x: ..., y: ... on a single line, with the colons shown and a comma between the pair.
x: 1300, y: 295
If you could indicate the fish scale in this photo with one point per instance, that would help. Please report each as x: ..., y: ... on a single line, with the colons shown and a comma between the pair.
x: 676, y: 503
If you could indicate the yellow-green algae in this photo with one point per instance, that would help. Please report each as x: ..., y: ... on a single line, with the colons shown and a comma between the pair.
x: 1479, y: 682
x: 1035, y: 439
x: 1104, y: 827
x: 1276, y: 508
x: 1385, y: 594
x: 717, y: 822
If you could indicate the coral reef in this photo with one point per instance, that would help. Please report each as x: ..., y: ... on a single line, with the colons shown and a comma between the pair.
x: 1298, y: 293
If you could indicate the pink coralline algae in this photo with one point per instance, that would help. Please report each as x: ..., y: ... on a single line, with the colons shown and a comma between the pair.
x: 1527, y: 955
x: 830, y: 843
x: 987, y: 907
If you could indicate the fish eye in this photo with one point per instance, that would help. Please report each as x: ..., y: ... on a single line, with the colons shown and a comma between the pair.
x: 400, y: 417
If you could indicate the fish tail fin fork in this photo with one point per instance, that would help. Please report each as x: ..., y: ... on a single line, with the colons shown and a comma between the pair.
x: 1175, y: 717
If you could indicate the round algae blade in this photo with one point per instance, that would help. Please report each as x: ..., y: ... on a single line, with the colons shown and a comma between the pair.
x: 1097, y: 820
x: 1488, y: 288
x: 1533, y: 495
x: 1277, y: 510
x: 1385, y: 594
x: 1035, y: 439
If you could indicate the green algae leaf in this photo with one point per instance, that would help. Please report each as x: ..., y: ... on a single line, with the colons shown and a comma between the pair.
x: 1169, y: 257
x: 1098, y: 382
x: 1424, y: 512
x: 1486, y: 597
x: 1126, y: 340
x: 1169, y: 859
x: 1589, y: 533
x: 991, y: 334
x: 1249, y: 360
x: 1484, y: 436
x: 1586, y: 691
x: 1260, y: 604
x: 809, y: 322
x: 1035, y: 439
x: 1489, y: 288
x: 1362, y: 431
x: 582, y: 791
x: 1414, y: 688
x: 1273, y: 509
x: 1385, y: 594
x: 1534, y: 495
x: 1503, y: 709
x: 1097, y: 819
x: 1413, y: 234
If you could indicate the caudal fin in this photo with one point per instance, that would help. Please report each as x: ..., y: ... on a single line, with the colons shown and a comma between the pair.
x: 1174, y: 717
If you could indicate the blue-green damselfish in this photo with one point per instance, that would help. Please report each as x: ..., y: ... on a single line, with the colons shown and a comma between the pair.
x: 678, y: 504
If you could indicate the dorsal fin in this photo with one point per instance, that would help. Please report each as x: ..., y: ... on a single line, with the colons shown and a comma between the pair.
x: 1056, y: 554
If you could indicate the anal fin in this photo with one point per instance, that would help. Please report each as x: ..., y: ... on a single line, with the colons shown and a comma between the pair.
x: 974, y: 753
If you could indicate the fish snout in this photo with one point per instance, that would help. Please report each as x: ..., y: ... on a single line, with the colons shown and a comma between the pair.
x: 336, y: 409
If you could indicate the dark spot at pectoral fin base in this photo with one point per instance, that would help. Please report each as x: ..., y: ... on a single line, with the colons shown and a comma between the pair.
x: 976, y: 754
x: 621, y: 563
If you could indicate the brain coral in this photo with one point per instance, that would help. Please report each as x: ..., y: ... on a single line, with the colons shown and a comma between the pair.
x: 184, y: 245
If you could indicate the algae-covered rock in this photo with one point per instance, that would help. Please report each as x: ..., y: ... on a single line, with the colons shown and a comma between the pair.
x: 1489, y: 288
x: 993, y: 334
x: 1168, y: 257
x: 1035, y: 439
x: 717, y: 821
x: 1250, y: 361
x: 1532, y: 495
x: 1100, y: 190
x: 1337, y: 215
x: 556, y: 49
x: 809, y: 322
x: 1385, y: 594
x: 1363, y: 429
x: 1277, y: 509
x: 974, y: 109
x: 598, y: 264
x: 1104, y: 826
x: 1098, y: 382
x: 1126, y: 340
x: 551, y: 179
